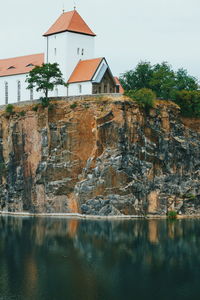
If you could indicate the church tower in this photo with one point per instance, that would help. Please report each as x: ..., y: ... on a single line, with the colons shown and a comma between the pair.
x: 68, y: 41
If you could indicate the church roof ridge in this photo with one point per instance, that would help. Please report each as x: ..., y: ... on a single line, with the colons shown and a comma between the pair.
x: 70, y: 21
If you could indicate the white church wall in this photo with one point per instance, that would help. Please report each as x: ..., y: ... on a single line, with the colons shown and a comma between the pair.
x: 80, y: 88
x: 80, y: 47
x: 67, y: 49
x: 16, y: 89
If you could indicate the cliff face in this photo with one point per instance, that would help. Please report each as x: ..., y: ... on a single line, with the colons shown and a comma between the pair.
x: 100, y: 157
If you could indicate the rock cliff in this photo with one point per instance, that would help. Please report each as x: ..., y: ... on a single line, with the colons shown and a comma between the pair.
x: 99, y: 157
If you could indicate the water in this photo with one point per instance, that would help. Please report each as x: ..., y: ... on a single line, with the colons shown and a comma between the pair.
x: 43, y: 258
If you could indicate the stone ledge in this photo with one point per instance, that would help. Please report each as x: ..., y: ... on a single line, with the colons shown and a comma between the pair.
x: 67, y: 99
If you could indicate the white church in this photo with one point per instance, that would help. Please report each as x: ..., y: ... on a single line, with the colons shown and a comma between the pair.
x: 70, y: 43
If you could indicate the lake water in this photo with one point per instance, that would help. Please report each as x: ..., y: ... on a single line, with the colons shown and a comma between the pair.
x: 44, y: 258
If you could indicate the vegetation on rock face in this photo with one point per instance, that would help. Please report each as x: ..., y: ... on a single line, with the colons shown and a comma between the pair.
x: 189, y: 102
x: 144, y: 97
x: 172, y: 215
x: 10, y: 109
x: 45, y: 78
x: 167, y: 84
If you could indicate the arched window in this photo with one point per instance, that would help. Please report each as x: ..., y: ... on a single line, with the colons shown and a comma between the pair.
x: 18, y: 90
x: 82, y: 52
x: 6, y: 92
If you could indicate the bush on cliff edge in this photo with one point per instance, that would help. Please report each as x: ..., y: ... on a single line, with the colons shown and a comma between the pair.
x: 189, y: 103
x: 144, y: 97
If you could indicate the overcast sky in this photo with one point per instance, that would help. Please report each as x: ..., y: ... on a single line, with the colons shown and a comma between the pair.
x: 127, y: 31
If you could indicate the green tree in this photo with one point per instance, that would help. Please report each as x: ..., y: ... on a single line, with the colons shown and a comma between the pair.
x: 163, y: 81
x: 185, y: 82
x: 138, y: 78
x: 189, y: 102
x: 160, y: 78
x: 45, y: 78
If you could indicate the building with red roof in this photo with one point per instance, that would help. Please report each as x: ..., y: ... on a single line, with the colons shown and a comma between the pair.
x: 70, y: 43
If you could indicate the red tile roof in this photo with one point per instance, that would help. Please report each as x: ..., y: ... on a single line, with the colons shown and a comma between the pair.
x: 20, y: 65
x: 70, y: 21
x: 85, y: 70
x: 121, y: 90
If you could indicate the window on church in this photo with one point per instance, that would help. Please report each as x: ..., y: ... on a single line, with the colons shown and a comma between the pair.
x: 31, y: 94
x: 82, y: 52
x: 78, y: 51
x: 18, y: 90
x: 80, y: 88
x: 55, y: 51
x: 6, y: 92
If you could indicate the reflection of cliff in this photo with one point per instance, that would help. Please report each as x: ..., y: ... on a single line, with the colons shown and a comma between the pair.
x: 70, y: 259
x: 102, y: 157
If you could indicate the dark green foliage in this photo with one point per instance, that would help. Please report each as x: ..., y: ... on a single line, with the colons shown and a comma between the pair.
x: 163, y: 81
x: 44, y: 102
x: 144, y: 97
x: 35, y: 108
x: 185, y: 81
x: 172, y: 215
x: 73, y: 105
x: 189, y: 102
x: 45, y: 78
x: 10, y: 109
x: 22, y: 113
x: 160, y: 78
x: 138, y: 78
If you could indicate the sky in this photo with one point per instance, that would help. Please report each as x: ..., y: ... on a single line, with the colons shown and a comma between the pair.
x: 127, y: 31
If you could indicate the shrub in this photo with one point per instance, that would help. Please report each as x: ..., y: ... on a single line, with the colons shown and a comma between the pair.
x: 22, y: 113
x: 189, y: 102
x: 73, y: 105
x: 144, y: 97
x: 44, y: 102
x: 9, y: 109
x: 172, y: 215
x: 35, y: 108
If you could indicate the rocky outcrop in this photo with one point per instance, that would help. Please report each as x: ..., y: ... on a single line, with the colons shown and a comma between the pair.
x: 99, y: 157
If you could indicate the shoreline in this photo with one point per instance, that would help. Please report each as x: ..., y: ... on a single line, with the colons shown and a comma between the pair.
x: 95, y: 217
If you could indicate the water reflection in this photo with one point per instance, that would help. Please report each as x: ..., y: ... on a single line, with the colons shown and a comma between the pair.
x: 42, y: 258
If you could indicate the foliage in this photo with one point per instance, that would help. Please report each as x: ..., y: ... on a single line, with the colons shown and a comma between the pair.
x: 185, y: 82
x: 172, y: 214
x: 73, y: 105
x: 44, y: 102
x: 10, y: 109
x: 138, y: 78
x: 144, y: 97
x: 45, y: 78
x: 160, y: 78
x: 163, y: 81
x: 189, y: 102
x: 22, y: 113
x: 35, y: 107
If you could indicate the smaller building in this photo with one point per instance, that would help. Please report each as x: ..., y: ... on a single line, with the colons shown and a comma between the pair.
x: 70, y: 43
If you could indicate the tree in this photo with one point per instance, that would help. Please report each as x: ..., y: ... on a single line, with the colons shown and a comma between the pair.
x: 163, y: 80
x: 160, y: 78
x: 185, y: 81
x: 45, y: 78
x: 138, y: 78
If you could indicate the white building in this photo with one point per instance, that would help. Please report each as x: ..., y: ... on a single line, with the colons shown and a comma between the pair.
x: 70, y: 43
